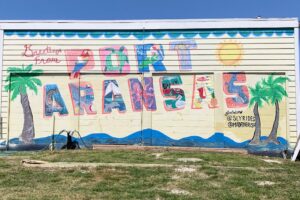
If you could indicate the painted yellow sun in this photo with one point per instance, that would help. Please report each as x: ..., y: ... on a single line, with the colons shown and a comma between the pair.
x: 230, y: 52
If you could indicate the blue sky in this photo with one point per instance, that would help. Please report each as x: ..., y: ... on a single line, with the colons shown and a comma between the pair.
x: 141, y: 9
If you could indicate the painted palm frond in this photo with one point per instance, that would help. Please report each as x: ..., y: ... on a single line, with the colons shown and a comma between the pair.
x: 21, y: 79
x: 281, y: 80
x: 16, y: 88
x: 258, y: 95
x: 25, y: 70
x: 274, y: 88
x: 269, y: 81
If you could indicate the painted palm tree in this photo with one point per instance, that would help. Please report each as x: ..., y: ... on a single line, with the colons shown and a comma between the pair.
x: 275, y: 92
x: 21, y: 79
x: 258, y: 97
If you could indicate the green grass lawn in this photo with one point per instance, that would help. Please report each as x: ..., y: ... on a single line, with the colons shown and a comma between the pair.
x: 212, y: 176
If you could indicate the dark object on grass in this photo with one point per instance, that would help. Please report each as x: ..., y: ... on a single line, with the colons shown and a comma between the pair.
x: 71, y: 144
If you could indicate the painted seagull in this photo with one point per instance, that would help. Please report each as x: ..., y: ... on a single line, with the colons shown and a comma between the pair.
x: 80, y: 63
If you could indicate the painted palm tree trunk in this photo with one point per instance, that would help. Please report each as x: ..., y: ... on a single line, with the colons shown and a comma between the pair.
x: 257, y: 131
x: 273, y: 134
x: 20, y: 80
x: 28, y: 126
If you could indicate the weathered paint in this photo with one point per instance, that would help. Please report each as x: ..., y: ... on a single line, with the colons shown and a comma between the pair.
x: 202, y: 87
x: 1, y: 85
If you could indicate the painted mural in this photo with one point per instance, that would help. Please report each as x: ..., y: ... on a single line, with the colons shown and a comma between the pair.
x: 78, y: 60
x: 115, y: 59
x: 177, y: 94
x: 142, y: 94
x: 112, y: 97
x: 82, y: 98
x: 203, y: 92
x: 53, y: 101
x: 21, y: 80
x: 171, y: 88
x: 269, y: 90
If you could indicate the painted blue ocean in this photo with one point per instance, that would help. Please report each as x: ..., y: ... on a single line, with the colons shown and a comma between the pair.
x: 152, y: 137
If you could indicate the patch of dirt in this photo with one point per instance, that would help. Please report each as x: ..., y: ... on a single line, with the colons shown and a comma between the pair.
x: 272, y: 161
x: 201, y: 175
x: 264, y: 183
x: 215, y: 184
x: 51, y: 165
x: 179, y: 192
x: 255, y: 169
x: 185, y: 169
x: 157, y: 155
x: 175, y: 177
x: 159, y: 148
x: 189, y: 159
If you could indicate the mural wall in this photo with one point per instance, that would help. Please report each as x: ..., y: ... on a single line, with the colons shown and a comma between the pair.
x: 213, y: 88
